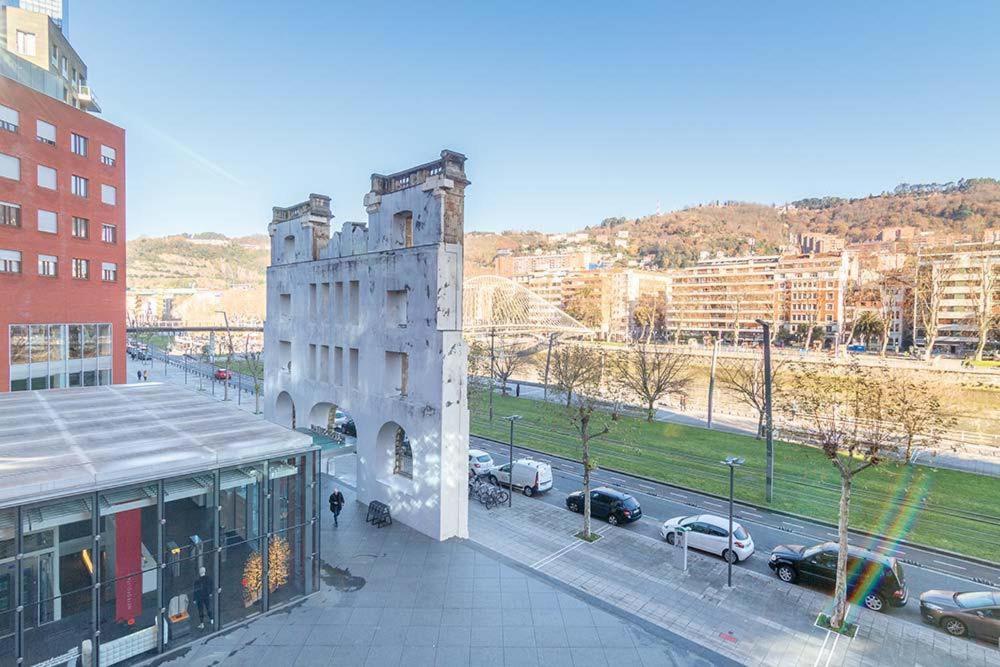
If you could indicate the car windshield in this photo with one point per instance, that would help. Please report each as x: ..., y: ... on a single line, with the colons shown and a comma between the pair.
x: 741, y: 534
x: 812, y: 551
x: 484, y: 458
x: 974, y: 600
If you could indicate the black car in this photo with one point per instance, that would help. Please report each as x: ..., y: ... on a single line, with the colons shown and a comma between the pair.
x: 975, y: 613
x: 873, y: 579
x: 605, y: 503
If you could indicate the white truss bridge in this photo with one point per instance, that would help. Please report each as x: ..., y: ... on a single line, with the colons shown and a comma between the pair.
x: 493, y: 304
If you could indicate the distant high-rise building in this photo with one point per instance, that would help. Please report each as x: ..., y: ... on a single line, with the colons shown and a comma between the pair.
x: 57, y: 10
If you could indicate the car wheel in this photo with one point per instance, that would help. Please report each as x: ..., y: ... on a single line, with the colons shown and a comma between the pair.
x: 670, y: 538
x: 494, y: 481
x: 613, y: 519
x: 875, y: 602
x: 573, y: 507
x: 528, y: 491
x: 787, y: 574
x: 954, y: 627
x: 730, y: 556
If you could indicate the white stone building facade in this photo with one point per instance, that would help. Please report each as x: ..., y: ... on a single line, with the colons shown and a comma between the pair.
x: 368, y: 321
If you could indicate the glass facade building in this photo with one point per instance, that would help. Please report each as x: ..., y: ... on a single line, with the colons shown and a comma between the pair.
x: 116, y: 575
x: 52, y: 356
x: 135, y: 519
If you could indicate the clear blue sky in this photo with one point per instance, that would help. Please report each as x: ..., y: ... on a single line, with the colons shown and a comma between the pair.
x: 569, y: 112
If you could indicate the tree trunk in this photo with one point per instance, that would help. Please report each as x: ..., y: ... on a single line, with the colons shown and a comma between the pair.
x: 569, y: 398
x: 885, y: 343
x: 981, y: 346
x: 650, y: 411
x: 840, y: 589
x: 909, y: 447
x: 760, y: 424
x: 929, y: 345
x: 586, y: 478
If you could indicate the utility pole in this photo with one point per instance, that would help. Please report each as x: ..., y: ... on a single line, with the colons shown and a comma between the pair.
x: 229, y: 355
x: 493, y: 332
x: 733, y: 462
x: 711, y: 380
x: 510, y: 479
x: 548, y: 359
x: 769, y: 474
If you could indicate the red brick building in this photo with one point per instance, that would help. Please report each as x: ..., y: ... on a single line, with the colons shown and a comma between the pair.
x: 62, y: 244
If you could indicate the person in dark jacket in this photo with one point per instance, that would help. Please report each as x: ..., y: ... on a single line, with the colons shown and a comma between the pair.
x: 336, y: 504
x: 203, y: 598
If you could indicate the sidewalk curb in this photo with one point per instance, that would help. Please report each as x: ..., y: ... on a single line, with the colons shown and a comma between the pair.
x: 934, y: 550
x: 648, y: 626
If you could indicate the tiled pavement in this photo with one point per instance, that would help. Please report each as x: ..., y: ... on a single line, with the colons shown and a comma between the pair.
x: 421, y: 602
x: 761, y: 621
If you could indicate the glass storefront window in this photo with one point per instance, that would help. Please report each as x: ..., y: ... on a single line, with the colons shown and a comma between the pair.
x: 89, y: 341
x: 19, y: 344
x: 104, y: 340
x: 129, y: 530
x: 288, y: 562
x: 39, y: 344
x: 7, y: 639
x: 289, y: 478
x: 57, y: 339
x: 240, y: 499
x: 241, y: 577
x: 75, y: 341
x: 57, y: 628
x: 128, y: 616
x: 189, y: 594
x: 189, y: 510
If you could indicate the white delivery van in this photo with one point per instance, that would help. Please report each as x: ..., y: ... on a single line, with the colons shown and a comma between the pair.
x: 529, y: 475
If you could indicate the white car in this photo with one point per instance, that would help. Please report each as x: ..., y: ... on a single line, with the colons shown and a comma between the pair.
x: 529, y: 475
x: 479, y: 462
x: 708, y: 532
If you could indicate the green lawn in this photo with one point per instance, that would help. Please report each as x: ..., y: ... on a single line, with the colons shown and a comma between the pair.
x: 942, y: 508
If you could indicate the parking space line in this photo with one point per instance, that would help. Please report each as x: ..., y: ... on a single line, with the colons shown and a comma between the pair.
x: 941, y: 562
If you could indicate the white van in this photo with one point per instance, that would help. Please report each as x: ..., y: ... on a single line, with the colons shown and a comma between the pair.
x: 529, y: 475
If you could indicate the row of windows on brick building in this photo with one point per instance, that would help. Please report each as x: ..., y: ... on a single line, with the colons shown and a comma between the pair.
x: 45, y: 132
x: 48, y: 266
x: 48, y: 221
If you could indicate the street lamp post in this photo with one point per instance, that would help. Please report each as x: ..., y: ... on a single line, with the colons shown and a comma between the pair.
x: 769, y: 472
x: 733, y: 462
x: 510, y: 474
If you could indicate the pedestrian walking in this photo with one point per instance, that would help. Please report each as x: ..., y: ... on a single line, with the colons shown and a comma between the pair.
x: 684, y: 403
x: 145, y: 376
x: 203, y: 598
x: 336, y: 504
x: 138, y: 376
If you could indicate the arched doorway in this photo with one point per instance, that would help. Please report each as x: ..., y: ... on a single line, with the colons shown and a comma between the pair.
x: 284, y: 410
x: 327, y: 419
x: 395, y: 450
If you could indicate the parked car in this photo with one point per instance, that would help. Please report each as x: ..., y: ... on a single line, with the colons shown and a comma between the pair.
x: 529, y: 475
x: 223, y: 374
x: 873, y: 579
x: 974, y: 614
x: 708, y: 532
x: 857, y: 348
x: 605, y: 503
x: 480, y: 462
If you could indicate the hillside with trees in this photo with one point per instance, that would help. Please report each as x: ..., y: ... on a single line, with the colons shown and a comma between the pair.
x: 949, y: 211
x: 205, y: 261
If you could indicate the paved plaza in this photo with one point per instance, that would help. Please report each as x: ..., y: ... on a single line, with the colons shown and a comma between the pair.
x: 391, y: 596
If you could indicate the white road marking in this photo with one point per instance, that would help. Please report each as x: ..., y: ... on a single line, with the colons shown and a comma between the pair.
x: 833, y: 535
x: 713, y: 504
x: 566, y: 549
x: 678, y: 495
x: 748, y: 512
x: 941, y: 562
x: 793, y: 525
x: 822, y: 648
x: 832, y: 649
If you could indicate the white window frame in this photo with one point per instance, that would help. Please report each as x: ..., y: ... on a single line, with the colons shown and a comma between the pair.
x: 10, y: 119
x: 48, y: 221
x: 10, y: 261
x: 81, y: 263
x: 43, y: 177
x: 104, y: 233
x: 80, y: 185
x: 48, y: 266
x: 109, y: 194
x: 109, y: 156
x: 109, y: 272
x: 79, y: 144
x: 13, y: 213
x: 23, y: 40
x: 86, y: 227
x: 45, y: 132
x: 10, y: 167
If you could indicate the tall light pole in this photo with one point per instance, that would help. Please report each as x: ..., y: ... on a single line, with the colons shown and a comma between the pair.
x: 733, y: 462
x: 229, y: 355
x: 769, y: 473
x: 711, y: 379
x: 510, y: 476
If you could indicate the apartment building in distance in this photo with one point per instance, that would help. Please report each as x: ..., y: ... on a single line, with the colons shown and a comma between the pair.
x: 723, y: 297
x: 367, y: 322
x: 967, y: 278
x: 811, y: 290
x: 62, y: 236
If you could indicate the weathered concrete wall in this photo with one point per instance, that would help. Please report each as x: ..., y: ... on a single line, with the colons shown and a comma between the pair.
x: 342, y: 310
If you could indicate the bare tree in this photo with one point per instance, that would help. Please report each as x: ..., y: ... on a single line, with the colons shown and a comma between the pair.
x: 984, y: 308
x: 916, y: 409
x: 650, y: 314
x: 573, y: 368
x: 929, y: 295
x: 509, y: 357
x: 652, y: 373
x: 478, y: 367
x: 846, y: 415
x: 745, y: 379
x: 255, y: 365
x: 889, y: 285
x: 581, y: 410
x: 613, y: 388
